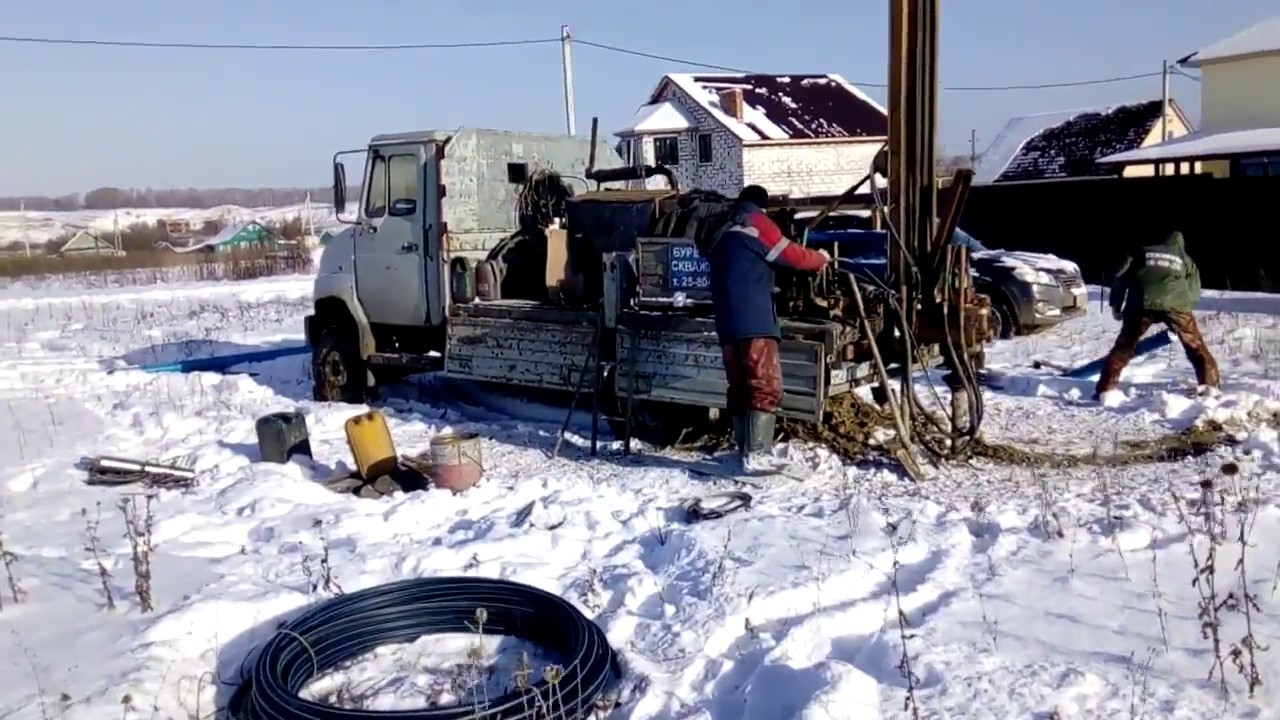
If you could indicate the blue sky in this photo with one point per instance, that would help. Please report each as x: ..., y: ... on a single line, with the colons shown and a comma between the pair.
x: 81, y: 117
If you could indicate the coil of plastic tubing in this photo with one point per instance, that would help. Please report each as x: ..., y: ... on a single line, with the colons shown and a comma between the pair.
x: 345, y: 628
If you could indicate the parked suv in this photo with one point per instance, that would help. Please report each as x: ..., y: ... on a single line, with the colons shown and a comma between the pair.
x: 1029, y: 292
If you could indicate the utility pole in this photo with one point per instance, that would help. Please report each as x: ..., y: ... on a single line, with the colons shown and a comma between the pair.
x: 1164, y: 109
x: 566, y: 69
x: 973, y: 149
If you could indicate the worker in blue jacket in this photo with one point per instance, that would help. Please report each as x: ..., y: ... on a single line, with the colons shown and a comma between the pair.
x: 742, y: 257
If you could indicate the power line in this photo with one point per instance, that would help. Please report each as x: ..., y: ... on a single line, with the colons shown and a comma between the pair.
x: 174, y: 45
x: 967, y: 88
x: 279, y: 46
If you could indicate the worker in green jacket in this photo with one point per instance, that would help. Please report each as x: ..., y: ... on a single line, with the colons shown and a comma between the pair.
x: 1159, y: 283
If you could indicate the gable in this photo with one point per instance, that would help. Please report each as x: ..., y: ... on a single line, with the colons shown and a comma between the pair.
x: 1262, y: 38
x: 86, y: 241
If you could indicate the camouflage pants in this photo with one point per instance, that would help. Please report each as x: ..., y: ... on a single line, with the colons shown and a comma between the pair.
x: 754, y: 373
x: 1135, y: 325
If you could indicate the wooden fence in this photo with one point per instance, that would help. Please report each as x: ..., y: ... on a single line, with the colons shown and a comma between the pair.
x: 1230, y: 223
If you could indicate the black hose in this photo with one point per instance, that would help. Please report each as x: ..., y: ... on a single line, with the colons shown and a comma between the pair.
x: 699, y: 509
x: 346, y: 628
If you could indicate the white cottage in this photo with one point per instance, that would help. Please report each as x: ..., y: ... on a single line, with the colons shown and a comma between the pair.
x: 796, y: 135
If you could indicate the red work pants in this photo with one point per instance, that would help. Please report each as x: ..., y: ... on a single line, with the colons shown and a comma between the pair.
x: 754, y: 372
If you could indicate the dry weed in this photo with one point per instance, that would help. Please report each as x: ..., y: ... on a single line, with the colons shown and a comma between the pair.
x: 138, y: 531
x: 320, y: 577
x: 93, y: 546
x: 909, y: 703
x: 9, y: 561
x: 1208, y: 518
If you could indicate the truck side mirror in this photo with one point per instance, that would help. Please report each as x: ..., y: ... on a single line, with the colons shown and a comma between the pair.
x: 339, y: 188
x: 403, y: 207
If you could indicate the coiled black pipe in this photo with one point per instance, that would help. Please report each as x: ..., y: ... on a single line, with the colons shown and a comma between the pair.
x: 347, y: 627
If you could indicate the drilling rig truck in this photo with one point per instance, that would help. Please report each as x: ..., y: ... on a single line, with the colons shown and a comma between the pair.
x: 542, y: 261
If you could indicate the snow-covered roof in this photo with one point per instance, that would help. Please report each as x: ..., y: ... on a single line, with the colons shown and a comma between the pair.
x: 1066, y: 144
x: 1260, y: 39
x: 785, y: 107
x: 1200, y: 145
x: 657, y: 118
x: 1008, y: 143
x: 87, y: 241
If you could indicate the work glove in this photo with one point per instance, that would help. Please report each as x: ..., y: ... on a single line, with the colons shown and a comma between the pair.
x: 1117, y: 314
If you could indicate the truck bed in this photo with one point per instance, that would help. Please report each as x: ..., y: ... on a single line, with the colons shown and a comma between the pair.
x: 674, y: 358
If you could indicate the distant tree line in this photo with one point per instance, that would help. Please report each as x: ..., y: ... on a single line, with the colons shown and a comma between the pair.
x: 113, y: 198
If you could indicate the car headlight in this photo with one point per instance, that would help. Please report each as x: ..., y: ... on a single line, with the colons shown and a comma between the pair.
x: 1033, y: 276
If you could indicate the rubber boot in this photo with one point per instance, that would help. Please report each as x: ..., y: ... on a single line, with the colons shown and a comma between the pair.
x: 757, y: 455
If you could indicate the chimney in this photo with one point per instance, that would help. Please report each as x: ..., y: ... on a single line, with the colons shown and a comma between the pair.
x: 731, y: 102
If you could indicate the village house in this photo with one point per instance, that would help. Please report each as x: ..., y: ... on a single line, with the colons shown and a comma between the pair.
x: 1062, y: 145
x: 251, y: 235
x: 1239, y: 131
x: 796, y: 135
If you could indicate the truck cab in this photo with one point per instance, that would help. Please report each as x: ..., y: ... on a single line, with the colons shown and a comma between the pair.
x: 381, y: 299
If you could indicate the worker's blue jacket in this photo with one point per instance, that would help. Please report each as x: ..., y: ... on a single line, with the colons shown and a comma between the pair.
x: 742, y: 256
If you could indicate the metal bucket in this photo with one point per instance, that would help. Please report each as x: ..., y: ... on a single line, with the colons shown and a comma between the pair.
x: 456, y: 462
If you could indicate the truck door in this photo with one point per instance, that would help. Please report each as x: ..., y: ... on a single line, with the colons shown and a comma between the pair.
x: 390, y: 247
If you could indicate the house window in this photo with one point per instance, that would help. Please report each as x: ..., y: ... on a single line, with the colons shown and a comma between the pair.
x: 666, y: 150
x: 704, y: 148
x: 1257, y: 167
x: 628, y: 152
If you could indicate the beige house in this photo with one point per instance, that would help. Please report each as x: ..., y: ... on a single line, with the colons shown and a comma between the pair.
x: 1239, y: 130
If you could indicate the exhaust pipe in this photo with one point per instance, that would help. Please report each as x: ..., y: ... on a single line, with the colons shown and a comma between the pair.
x: 625, y: 173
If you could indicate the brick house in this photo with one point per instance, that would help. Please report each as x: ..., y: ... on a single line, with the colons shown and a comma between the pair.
x: 797, y: 135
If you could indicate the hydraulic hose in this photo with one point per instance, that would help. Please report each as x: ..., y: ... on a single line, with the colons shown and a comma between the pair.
x: 345, y: 628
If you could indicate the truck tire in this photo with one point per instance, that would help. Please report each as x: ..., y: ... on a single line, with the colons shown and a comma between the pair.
x: 337, y: 370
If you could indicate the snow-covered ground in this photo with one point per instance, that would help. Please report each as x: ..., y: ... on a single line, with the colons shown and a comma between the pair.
x: 1018, y: 593
x: 39, y: 227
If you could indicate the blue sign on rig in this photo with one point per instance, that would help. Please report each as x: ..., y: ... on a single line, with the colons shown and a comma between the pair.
x: 688, y: 269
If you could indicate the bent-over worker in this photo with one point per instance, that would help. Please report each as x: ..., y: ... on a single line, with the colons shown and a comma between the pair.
x: 1158, y: 283
x: 742, y: 256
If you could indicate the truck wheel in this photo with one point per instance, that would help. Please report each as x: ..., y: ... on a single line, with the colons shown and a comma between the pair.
x: 337, y: 370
